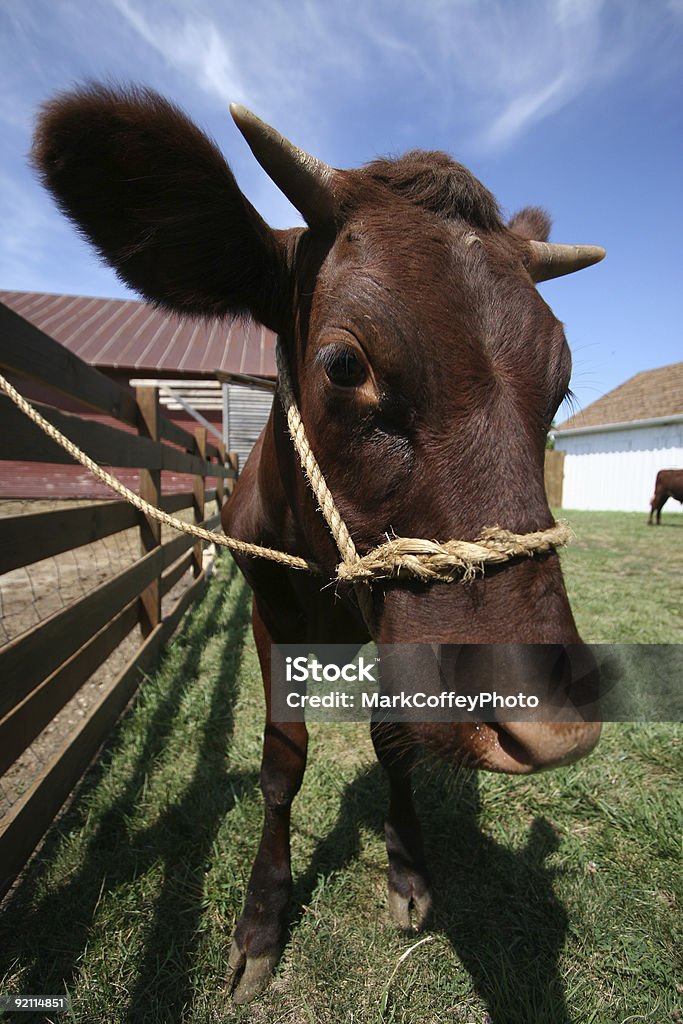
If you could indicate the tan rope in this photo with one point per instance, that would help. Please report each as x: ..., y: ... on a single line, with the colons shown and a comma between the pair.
x: 345, y: 546
x: 240, y: 546
x: 426, y: 560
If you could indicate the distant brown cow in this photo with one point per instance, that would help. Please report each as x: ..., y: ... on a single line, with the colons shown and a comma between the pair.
x: 669, y: 484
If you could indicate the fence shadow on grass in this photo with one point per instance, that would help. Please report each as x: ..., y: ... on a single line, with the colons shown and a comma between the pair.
x: 53, y: 931
x: 496, y: 906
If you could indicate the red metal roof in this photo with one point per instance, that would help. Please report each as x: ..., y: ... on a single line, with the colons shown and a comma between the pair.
x: 132, y: 336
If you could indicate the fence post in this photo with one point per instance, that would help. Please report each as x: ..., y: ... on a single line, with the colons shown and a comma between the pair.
x: 220, y: 480
x: 553, y: 476
x: 150, y: 489
x: 198, y: 493
x: 234, y: 461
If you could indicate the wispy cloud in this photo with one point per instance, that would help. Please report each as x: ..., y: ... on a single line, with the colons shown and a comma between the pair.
x: 192, y: 43
x: 499, y: 68
x: 512, y: 65
x: 271, y: 56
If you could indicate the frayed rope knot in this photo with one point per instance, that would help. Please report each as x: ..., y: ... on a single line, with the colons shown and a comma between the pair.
x: 429, y: 560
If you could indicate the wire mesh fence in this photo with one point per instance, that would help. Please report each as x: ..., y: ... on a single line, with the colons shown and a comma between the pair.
x: 31, y: 594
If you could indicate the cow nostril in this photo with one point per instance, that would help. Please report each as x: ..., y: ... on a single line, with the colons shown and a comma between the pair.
x: 509, y: 745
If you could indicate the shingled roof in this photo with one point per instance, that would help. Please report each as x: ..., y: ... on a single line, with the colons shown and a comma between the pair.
x: 652, y: 394
x: 115, y: 334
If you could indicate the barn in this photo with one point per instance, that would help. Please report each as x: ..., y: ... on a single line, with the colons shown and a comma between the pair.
x: 614, y: 447
x: 214, y: 374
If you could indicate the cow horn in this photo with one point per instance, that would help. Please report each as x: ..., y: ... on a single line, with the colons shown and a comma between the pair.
x: 549, y: 260
x: 307, y: 182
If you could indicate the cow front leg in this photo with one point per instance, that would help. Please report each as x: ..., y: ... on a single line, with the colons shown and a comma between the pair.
x: 408, y: 880
x: 261, y: 929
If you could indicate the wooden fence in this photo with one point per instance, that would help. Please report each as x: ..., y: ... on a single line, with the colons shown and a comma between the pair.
x: 44, y: 667
x: 554, y: 477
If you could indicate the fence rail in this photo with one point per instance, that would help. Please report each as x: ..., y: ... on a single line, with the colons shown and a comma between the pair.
x: 45, y: 666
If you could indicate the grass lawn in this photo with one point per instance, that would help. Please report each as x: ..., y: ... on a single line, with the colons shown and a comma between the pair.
x: 558, y: 897
x: 625, y: 580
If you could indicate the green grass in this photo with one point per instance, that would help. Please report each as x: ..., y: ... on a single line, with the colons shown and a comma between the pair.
x: 625, y: 580
x: 557, y: 897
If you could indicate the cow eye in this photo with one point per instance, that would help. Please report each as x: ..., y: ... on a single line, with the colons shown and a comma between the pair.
x: 343, y: 367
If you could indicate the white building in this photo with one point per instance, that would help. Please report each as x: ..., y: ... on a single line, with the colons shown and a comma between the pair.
x: 615, y: 446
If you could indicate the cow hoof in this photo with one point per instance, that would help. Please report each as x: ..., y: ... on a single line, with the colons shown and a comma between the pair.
x: 410, y: 912
x: 248, y: 975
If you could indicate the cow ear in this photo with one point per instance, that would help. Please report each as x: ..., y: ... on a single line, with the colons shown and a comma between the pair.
x: 531, y: 223
x: 158, y: 201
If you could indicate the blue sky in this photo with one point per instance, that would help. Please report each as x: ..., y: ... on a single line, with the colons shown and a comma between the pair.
x: 574, y: 105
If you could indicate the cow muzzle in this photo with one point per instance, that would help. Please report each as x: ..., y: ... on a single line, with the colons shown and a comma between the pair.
x: 521, y: 748
x: 513, y: 708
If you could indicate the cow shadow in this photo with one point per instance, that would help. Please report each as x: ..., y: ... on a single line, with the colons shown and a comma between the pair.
x: 52, y: 932
x: 496, y: 906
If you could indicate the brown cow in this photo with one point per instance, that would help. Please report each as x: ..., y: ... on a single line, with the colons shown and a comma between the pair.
x: 669, y: 484
x: 427, y: 369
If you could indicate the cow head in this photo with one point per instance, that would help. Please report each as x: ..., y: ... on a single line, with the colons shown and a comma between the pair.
x: 426, y: 365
